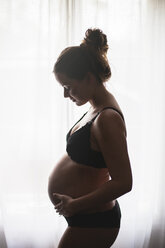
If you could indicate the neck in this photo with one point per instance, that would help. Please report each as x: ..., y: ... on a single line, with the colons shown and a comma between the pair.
x: 100, y: 97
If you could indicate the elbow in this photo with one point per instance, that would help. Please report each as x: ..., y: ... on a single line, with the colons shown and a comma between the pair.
x: 127, y: 187
x: 124, y: 189
x: 128, y: 184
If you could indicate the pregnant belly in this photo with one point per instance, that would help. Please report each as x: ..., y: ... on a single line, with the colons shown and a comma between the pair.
x: 75, y: 180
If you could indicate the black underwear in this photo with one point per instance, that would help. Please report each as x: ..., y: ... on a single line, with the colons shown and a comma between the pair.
x: 107, y: 219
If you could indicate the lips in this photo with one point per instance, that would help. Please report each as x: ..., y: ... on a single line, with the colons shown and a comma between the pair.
x: 72, y: 99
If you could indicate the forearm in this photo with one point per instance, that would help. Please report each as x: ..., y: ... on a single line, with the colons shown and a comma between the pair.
x: 104, y: 194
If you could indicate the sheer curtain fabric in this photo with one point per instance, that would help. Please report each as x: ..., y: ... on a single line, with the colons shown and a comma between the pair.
x: 34, y: 116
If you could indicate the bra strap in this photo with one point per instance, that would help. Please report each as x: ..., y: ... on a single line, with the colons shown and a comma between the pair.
x: 109, y: 108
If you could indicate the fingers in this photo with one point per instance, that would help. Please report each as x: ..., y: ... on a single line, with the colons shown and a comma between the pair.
x: 59, y: 209
x: 58, y: 196
x: 58, y: 206
x: 61, y: 206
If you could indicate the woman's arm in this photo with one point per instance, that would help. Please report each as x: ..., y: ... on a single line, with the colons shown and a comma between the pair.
x: 110, y: 134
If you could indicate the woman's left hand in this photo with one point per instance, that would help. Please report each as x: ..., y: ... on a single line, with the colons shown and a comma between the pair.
x: 64, y: 205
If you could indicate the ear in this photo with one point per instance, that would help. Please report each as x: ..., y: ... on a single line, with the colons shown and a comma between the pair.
x: 90, y: 77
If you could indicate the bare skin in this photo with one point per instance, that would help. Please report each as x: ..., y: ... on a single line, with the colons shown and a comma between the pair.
x: 81, y: 180
x: 82, y: 189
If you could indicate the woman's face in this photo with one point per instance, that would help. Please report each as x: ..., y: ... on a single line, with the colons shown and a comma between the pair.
x: 78, y: 91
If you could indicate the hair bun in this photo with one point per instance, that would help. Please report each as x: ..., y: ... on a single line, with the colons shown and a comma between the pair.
x: 95, y: 39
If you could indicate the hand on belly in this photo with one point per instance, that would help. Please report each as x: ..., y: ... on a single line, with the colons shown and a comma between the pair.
x: 64, y: 205
x: 72, y: 180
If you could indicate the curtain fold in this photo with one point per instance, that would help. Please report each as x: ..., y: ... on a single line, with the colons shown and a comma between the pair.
x: 34, y: 117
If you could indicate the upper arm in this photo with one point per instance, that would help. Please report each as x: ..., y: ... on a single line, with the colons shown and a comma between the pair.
x: 110, y: 134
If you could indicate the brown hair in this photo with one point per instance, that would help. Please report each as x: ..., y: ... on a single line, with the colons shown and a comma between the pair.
x: 75, y: 62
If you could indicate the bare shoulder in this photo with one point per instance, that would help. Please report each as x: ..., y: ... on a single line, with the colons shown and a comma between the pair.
x: 109, y: 120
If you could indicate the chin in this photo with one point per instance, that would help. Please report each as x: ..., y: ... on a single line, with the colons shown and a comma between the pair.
x: 79, y: 103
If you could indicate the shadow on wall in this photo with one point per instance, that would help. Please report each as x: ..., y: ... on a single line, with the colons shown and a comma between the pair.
x: 3, y: 243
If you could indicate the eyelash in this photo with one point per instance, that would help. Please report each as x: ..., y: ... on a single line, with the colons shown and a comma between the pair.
x: 66, y: 87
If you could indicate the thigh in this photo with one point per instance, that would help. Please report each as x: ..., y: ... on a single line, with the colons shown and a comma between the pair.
x: 76, y: 237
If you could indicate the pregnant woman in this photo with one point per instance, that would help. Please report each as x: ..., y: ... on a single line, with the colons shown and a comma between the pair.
x: 95, y: 170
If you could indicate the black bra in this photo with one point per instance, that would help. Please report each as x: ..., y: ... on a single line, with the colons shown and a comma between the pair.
x: 78, y: 144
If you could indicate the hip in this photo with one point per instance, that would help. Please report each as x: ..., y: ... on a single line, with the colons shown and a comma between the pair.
x: 105, y: 219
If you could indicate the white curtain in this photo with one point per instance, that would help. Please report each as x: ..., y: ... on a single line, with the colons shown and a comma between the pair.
x: 34, y: 117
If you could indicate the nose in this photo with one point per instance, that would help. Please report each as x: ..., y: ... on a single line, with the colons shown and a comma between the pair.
x: 66, y: 93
